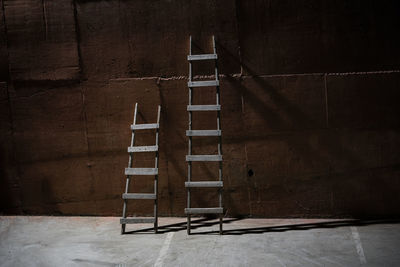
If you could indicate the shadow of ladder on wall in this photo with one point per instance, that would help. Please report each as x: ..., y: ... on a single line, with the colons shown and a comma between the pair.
x: 198, y: 133
x: 141, y: 171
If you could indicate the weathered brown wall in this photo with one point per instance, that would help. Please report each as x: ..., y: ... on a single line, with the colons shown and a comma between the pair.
x: 310, y: 107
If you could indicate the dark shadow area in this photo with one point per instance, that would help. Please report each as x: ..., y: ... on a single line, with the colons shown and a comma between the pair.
x: 197, y: 223
x: 205, y: 222
x: 302, y: 227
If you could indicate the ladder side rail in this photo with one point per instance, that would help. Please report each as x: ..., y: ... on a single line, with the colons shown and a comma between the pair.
x: 190, y: 138
x: 129, y: 166
x: 220, y: 190
x: 156, y: 176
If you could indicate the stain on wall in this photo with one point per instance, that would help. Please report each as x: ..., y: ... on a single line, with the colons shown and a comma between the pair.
x: 309, y: 105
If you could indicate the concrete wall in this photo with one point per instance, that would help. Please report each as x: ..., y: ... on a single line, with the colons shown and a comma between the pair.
x: 310, y: 107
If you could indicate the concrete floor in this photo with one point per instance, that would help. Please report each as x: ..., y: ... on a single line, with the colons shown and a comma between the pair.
x: 96, y: 241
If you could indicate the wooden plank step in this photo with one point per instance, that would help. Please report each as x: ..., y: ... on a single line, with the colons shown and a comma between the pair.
x: 205, y: 184
x: 204, y: 210
x: 203, y: 83
x: 139, y: 196
x: 202, y: 57
x: 203, y: 157
x: 141, y: 171
x: 132, y: 149
x: 145, y: 126
x: 137, y: 220
x: 203, y: 133
x: 203, y: 107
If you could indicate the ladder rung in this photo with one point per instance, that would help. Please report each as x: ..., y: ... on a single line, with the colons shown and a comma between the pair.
x: 203, y: 157
x: 203, y: 83
x: 137, y: 220
x: 204, y: 210
x: 202, y: 57
x: 141, y: 171
x: 203, y: 133
x: 142, y: 149
x: 139, y: 196
x: 205, y: 184
x: 145, y: 126
x: 203, y: 107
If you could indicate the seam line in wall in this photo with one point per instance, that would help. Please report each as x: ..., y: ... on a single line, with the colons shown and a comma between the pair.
x: 239, y: 75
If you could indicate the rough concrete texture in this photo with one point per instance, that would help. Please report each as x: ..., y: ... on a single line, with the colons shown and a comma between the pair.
x: 309, y: 105
x: 151, y: 38
x: 41, y: 40
x: 312, y: 36
x: 9, y: 182
x: 89, y: 241
x: 3, y: 48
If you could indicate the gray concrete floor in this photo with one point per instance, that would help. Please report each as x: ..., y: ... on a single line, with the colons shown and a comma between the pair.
x: 96, y: 241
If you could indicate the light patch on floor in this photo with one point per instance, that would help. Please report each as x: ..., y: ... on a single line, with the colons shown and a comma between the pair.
x: 359, y: 248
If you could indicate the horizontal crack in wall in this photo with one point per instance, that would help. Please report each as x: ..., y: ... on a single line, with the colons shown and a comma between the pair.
x: 238, y: 75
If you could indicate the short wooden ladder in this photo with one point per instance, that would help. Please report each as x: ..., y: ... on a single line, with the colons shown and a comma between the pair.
x: 130, y: 171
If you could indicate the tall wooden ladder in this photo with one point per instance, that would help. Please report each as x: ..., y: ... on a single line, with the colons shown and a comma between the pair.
x: 130, y: 171
x: 198, y: 133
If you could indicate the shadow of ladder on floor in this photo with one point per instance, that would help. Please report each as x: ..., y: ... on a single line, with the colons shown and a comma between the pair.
x: 191, y: 133
x: 130, y: 171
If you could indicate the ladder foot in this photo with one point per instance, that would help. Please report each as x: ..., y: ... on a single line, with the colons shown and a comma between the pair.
x: 122, y: 229
x: 220, y: 225
x: 188, y: 225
